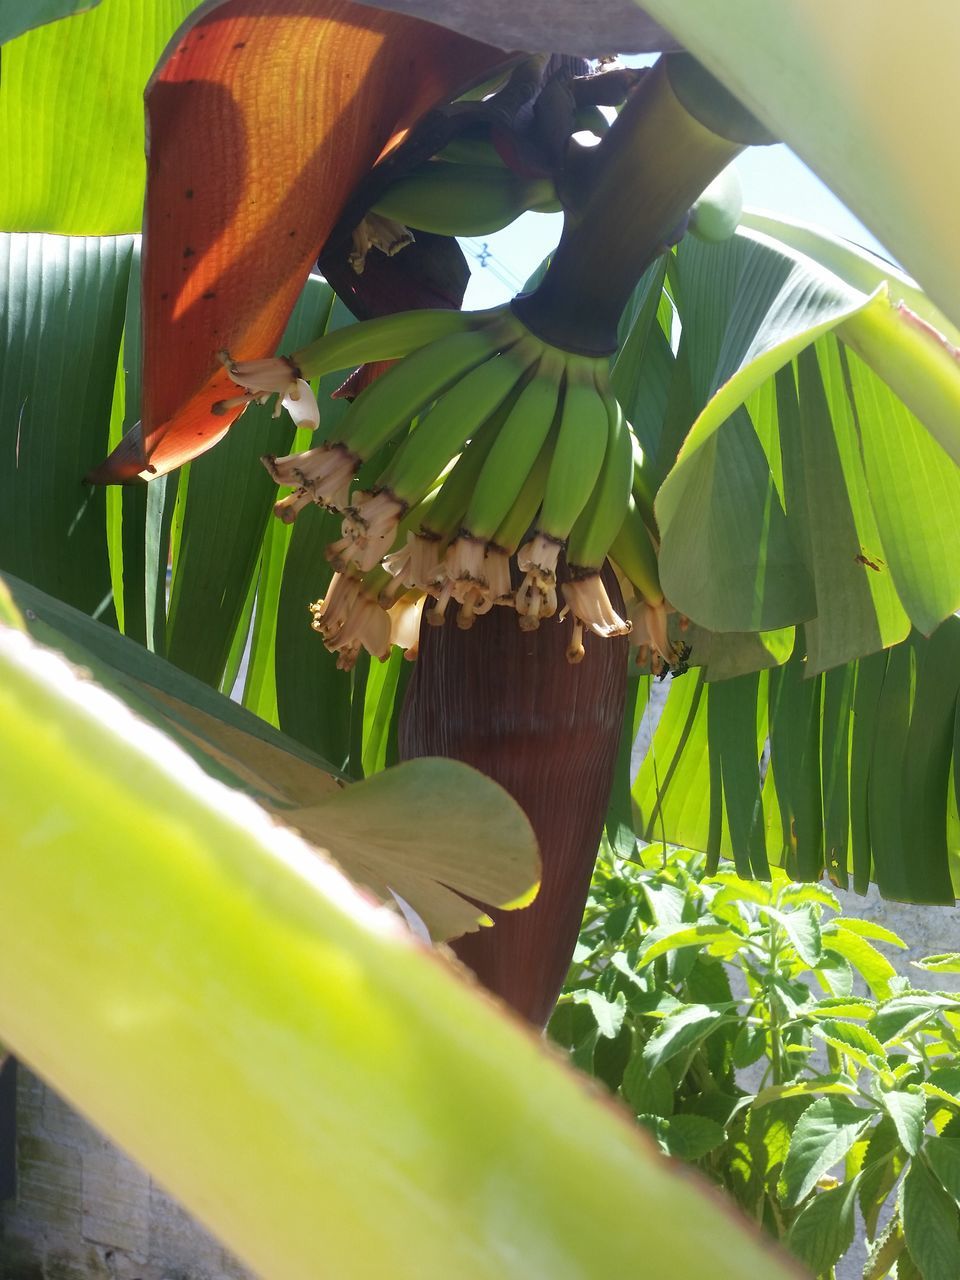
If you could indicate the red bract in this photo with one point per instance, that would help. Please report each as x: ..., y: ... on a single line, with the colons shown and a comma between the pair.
x: 261, y: 119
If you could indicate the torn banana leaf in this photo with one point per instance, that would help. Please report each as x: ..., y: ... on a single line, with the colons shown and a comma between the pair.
x: 391, y: 833
x: 323, y: 1093
x: 261, y: 121
x: 818, y: 482
x: 861, y: 780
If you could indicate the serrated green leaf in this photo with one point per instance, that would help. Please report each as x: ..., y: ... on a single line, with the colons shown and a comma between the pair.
x: 749, y: 1045
x: 824, y: 1134
x: 825, y: 1228
x: 802, y: 927
x: 685, y: 1137
x: 945, y: 962
x: 930, y: 1224
x: 902, y: 1013
x: 875, y: 969
x: 884, y: 1251
x: 607, y: 1014
x: 852, y: 1040
x: 841, y: 1007
x: 681, y: 1032
x: 649, y: 1092
x: 836, y: 1083
x: 882, y: 1163
x: 908, y: 1110
x: 715, y: 939
x: 869, y: 929
x: 943, y: 1157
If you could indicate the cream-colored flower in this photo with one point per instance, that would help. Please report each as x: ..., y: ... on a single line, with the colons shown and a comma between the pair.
x: 325, y: 472
x: 278, y: 376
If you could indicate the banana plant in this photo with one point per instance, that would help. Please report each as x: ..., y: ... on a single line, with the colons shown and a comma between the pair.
x: 730, y: 424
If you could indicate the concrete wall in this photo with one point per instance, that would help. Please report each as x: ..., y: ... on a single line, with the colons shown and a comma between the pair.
x: 84, y: 1211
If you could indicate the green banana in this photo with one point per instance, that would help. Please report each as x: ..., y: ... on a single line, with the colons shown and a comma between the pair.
x: 463, y: 199
x: 516, y: 524
x: 467, y: 149
x: 371, y: 520
x: 384, y: 408
x: 416, y: 562
x: 384, y: 338
x: 516, y: 448
x: 716, y: 215
x: 574, y: 468
x: 463, y: 409
x: 635, y: 555
x: 600, y: 520
x: 447, y: 511
x: 405, y: 390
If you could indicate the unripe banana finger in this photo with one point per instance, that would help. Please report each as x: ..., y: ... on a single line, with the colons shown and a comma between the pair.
x: 634, y: 553
x: 462, y: 199
x: 406, y: 389
x: 600, y: 521
x: 516, y: 448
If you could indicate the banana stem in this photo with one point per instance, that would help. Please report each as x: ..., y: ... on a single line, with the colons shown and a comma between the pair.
x: 677, y: 131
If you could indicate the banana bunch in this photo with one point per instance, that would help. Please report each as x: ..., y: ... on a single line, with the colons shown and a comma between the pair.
x: 512, y: 476
x: 465, y: 198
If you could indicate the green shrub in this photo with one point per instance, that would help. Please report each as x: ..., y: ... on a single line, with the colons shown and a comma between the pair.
x: 758, y: 1033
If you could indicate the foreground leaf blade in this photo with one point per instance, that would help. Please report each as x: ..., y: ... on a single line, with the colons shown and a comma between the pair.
x: 224, y: 972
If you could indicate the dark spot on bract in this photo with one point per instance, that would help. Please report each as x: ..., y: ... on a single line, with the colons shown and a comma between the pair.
x: 189, y: 193
x: 210, y: 294
x: 241, y: 44
x: 164, y: 297
x: 188, y: 252
x: 291, y: 234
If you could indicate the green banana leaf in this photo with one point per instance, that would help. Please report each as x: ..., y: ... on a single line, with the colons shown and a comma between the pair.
x: 818, y: 482
x: 861, y: 782
x: 15, y: 18
x: 71, y: 117
x: 388, y: 833
x: 865, y: 93
x: 326, y: 1095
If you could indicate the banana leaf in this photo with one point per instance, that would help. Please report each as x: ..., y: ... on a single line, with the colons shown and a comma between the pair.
x: 388, y: 833
x: 818, y: 482
x: 71, y: 113
x: 865, y: 93
x: 14, y: 20
x: 322, y: 1092
x: 861, y: 779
